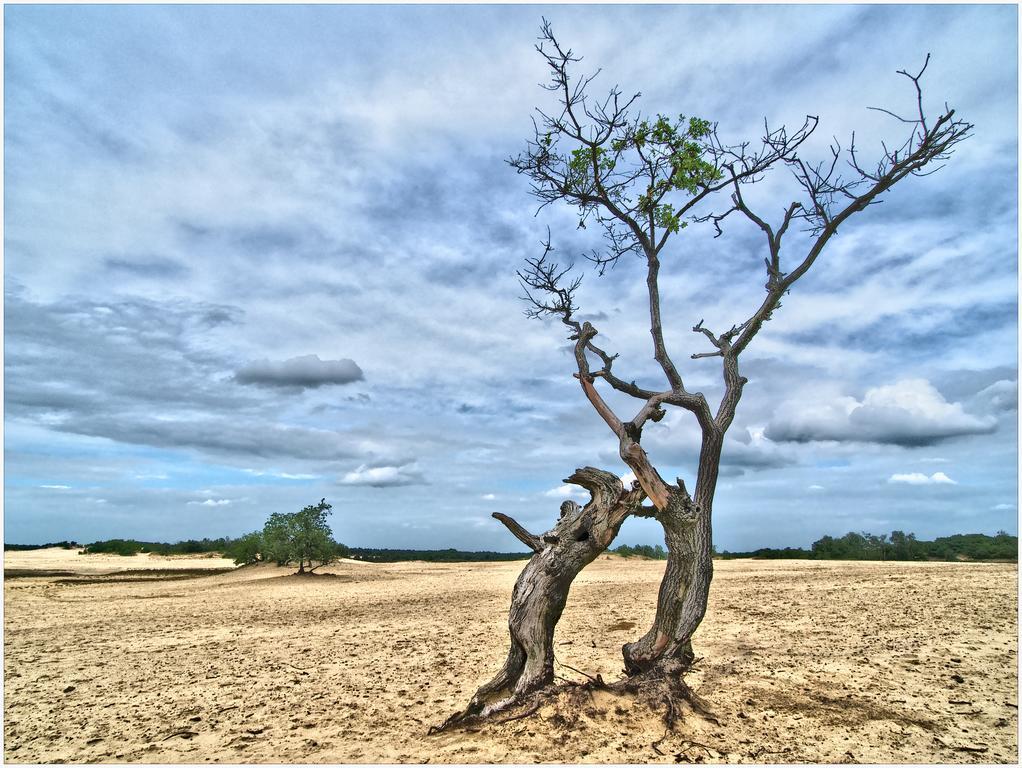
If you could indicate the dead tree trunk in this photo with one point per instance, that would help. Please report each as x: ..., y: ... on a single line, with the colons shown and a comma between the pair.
x: 541, y: 591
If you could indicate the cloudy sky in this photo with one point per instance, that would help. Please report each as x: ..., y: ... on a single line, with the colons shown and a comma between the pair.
x: 256, y: 256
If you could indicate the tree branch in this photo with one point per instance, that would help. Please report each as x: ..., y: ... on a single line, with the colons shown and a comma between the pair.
x: 531, y: 541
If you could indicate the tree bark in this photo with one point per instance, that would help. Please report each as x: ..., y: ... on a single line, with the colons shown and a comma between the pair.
x: 685, y: 587
x: 541, y: 591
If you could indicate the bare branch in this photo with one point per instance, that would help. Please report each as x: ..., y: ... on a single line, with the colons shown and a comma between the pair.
x: 532, y: 541
x: 542, y: 280
x: 926, y: 144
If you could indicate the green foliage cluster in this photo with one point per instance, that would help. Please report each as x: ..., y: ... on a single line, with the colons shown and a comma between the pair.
x: 246, y: 550
x: 433, y: 555
x: 897, y: 546
x: 975, y: 546
x: 301, y: 538
x: 656, y: 552
x: 674, y: 154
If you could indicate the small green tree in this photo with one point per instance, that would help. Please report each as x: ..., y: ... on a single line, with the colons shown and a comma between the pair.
x: 312, y: 542
x: 302, y: 537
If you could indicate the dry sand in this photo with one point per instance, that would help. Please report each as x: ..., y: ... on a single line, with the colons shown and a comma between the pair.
x: 803, y: 662
x: 69, y: 560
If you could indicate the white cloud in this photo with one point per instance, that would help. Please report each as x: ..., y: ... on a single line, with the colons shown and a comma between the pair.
x: 918, y: 478
x: 212, y: 503
x: 816, y: 488
x: 489, y: 496
x: 565, y: 492
x: 910, y: 412
x: 1002, y: 507
x: 56, y: 487
x: 384, y: 477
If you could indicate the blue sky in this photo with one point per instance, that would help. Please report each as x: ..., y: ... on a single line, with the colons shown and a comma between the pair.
x: 256, y: 256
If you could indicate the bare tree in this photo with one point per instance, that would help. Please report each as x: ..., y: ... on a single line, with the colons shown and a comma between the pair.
x: 643, y: 180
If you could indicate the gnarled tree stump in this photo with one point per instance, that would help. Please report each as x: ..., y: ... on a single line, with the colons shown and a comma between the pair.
x: 541, y: 591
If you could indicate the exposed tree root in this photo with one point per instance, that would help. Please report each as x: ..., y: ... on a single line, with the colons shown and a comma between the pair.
x: 662, y: 689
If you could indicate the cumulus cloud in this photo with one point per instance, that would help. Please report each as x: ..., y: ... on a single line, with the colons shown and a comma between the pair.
x: 910, y: 412
x: 384, y: 477
x: 212, y: 503
x: 566, y: 492
x: 918, y: 478
x: 306, y: 372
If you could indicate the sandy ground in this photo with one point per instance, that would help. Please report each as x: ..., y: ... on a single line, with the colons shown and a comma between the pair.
x: 802, y: 662
x: 57, y: 559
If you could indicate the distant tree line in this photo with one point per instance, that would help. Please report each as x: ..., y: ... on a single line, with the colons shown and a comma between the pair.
x: 897, y: 546
x: 303, y: 538
x: 128, y: 547
x: 655, y: 552
x: 30, y: 547
x: 433, y: 555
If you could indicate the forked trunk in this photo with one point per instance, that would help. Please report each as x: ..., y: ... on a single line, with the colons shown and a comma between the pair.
x: 685, y: 587
x: 541, y: 591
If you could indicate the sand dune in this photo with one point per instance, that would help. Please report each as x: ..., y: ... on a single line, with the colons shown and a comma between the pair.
x: 57, y: 559
x: 803, y: 661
